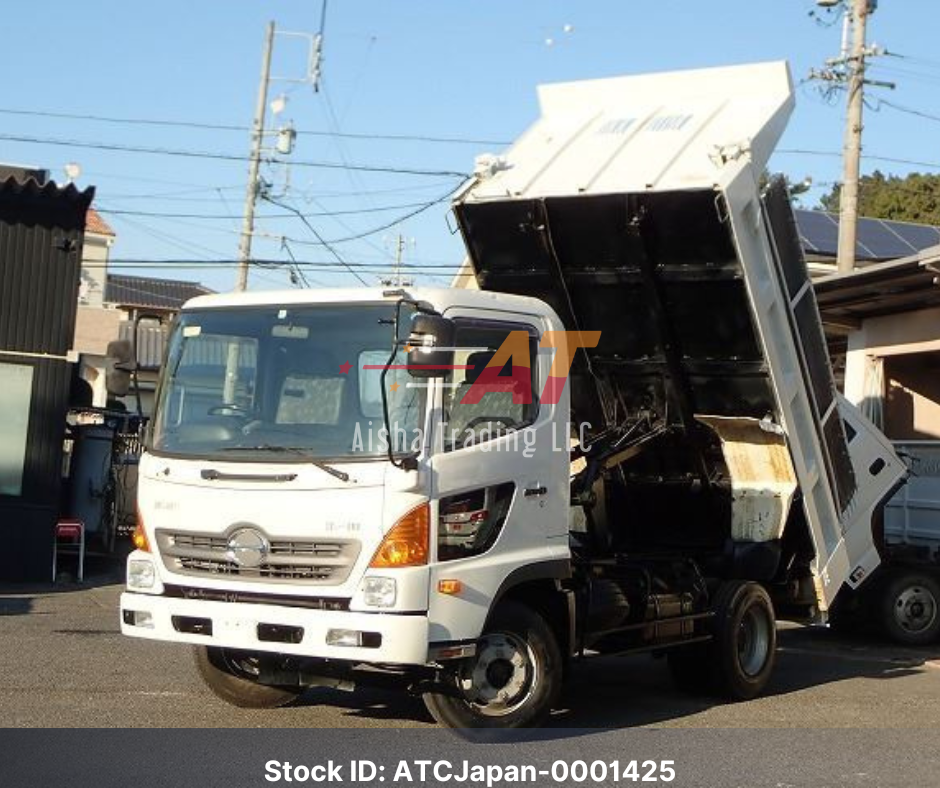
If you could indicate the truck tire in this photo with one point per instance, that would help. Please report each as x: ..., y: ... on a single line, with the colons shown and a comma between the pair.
x: 910, y: 608
x: 513, y: 681
x: 228, y: 674
x: 745, y: 640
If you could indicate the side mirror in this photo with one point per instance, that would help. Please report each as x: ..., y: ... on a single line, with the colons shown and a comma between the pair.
x: 432, y: 342
x: 118, y: 365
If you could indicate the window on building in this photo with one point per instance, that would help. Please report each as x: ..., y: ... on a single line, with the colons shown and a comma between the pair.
x: 16, y: 393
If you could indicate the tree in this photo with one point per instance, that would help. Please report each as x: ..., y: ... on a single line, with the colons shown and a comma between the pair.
x: 795, y: 190
x: 913, y: 198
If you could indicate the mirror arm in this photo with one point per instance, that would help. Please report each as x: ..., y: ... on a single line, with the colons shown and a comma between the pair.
x: 388, y: 427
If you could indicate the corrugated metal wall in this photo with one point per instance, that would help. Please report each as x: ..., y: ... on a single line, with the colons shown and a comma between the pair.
x: 41, y: 234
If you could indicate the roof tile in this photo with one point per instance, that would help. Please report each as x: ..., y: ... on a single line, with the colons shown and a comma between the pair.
x: 141, y: 291
x: 94, y: 223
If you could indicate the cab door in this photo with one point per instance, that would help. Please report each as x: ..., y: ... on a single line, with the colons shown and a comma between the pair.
x: 500, y: 477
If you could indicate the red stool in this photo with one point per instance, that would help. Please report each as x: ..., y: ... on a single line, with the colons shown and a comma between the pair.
x: 69, y: 532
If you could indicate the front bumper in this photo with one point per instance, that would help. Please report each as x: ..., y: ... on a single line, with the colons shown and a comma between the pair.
x: 402, y: 638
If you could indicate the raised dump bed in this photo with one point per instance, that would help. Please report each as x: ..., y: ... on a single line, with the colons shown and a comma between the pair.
x: 632, y: 207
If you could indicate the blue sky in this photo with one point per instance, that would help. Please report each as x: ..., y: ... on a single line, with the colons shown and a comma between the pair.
x: 463, y: 71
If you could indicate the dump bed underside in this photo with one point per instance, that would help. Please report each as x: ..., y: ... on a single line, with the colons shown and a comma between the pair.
x: 659, y: 275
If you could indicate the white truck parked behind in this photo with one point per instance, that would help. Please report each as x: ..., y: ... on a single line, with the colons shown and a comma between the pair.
x: 718, y: 479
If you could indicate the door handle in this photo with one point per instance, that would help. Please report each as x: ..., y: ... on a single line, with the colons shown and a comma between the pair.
x: 532, y: 492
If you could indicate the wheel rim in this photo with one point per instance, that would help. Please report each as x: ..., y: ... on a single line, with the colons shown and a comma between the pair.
x: 240, y: 664
x: 753, y: 641
x: 915, y: 609
x: 502, y: 677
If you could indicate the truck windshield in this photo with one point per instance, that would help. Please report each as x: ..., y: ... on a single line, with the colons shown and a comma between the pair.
x: 285, y: 384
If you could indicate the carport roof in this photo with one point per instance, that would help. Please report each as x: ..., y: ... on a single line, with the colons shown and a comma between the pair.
x: 890, y: 288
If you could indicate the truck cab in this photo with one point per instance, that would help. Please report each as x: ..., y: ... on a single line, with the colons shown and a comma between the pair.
x: 302, y: 492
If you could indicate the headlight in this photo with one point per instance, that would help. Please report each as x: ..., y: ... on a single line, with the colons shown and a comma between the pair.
x: 379, y: 591
x: 140, y: 574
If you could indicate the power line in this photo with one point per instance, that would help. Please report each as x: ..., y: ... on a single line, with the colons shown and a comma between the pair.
x: 171, y: 240
x: 319, y: 237
x: 179, y: 195
x: 176, y: 195
x: 359, y: 235
x: 347, y: 212
x: 907, y: 110
x: 297, y: 274
x: 306, y: 282
x: 835, y: 154
x: 235, y: 128
x: 299, y: 241
x: 327, y: 165
x: 909, y: 74
x: 264, y: 262
x: 923, y: 61
x: 398, y: 220
x: 283, y: 266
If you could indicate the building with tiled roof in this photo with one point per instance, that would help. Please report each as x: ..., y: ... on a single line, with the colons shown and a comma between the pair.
x: 96, y: 225
x: 99, y: 238
x: 142, y: 292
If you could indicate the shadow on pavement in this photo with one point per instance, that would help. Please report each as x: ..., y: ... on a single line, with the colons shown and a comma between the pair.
x: 99, y: 571
x: 640, y: 692
x: 625, y: 692
x: 15, y: 605
x: 370, y: 704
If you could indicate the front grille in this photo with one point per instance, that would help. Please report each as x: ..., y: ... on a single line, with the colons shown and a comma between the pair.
x: 313, y: 561
x: 253, y: 598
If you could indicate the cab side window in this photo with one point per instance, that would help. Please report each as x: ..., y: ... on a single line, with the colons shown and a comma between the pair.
x: 467, y: 424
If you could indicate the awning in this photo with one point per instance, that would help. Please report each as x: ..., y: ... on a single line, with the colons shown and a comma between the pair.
x: 892, y: 288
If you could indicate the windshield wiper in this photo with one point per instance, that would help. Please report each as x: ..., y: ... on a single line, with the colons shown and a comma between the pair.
x: 297, y: 450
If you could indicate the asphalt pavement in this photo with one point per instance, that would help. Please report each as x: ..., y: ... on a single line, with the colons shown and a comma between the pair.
x: 64, y: 663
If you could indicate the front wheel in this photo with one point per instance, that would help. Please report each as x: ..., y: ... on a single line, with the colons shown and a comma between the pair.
x: 910, y: 608
x: 513, y: 680
x: 232, y: 675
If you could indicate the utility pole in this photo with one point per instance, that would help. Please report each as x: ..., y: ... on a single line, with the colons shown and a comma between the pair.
x: 396, y: 279
x: 852, y: 148
x: 254, y: 166
x: 399, y: 250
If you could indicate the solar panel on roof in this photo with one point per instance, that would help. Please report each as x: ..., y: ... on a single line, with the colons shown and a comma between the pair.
x: 880, y: 241
x: 877, y: 239
x: 818, y: 231
x: 922, y: 236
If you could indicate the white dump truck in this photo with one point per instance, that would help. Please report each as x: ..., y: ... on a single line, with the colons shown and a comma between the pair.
x: 626, y: 440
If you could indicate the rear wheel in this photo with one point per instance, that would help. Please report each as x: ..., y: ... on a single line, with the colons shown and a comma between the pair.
x: 737, y: 662
x: 232, y: 675
x: 745, y: 640
x: 513, y: 680
x: 910, y: 608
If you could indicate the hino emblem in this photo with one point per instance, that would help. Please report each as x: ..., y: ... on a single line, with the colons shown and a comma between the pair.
x: 247, y: 547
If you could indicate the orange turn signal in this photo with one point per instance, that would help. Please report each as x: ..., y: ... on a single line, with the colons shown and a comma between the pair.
x: 450, y: 587
x: 139, y: 537
x: 406, y: 544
